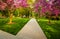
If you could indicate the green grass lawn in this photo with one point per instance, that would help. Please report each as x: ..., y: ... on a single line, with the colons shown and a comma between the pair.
x: 15, y: 27
x: 52, y: 31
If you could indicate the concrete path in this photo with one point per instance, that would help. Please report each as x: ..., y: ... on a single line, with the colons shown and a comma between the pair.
x: 30, y: 31
x: 5, y: 35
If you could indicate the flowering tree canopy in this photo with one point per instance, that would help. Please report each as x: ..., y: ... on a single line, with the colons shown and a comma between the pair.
x: 52, y: 6
x: 12, y: 4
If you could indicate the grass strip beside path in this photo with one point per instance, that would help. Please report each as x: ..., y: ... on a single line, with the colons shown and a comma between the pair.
x: 15, y: 27
x: 52, y: 31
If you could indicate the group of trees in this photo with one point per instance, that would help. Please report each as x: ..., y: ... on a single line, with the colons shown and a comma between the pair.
x: 11, y: 5
x: 48, y: 8
x: 41, y: 7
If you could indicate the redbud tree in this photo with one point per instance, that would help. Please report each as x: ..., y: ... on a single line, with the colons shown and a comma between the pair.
x: 51, y: 6
x: 47, y: 6
x: 11, y: 5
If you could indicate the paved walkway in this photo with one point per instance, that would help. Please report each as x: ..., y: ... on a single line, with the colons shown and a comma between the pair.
x: 30, y: 31
x: 5, y: 35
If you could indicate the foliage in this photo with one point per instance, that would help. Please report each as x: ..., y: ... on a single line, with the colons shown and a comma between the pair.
x: 8, y: 6
x: 22, y: 11
x: 52, y: 6
x: 12, y: 4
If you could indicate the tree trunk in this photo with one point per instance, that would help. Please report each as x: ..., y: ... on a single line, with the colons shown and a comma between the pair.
x: 49, y: 20
x: 10, y: 18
